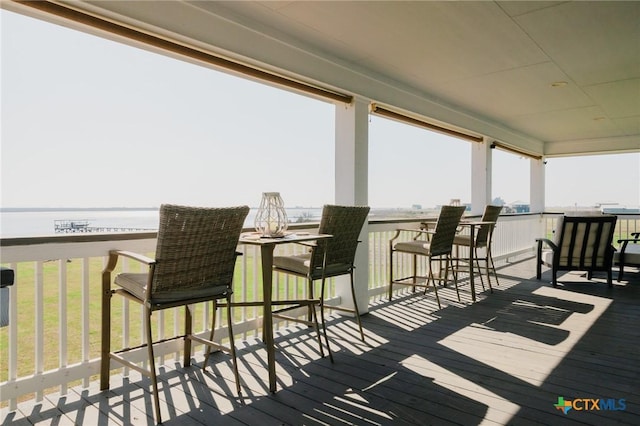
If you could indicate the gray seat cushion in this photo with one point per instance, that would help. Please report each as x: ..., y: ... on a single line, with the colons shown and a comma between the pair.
x: 417, y: 247
x: 136, y: 284
x: 547, y: 257
x: 465, y: 240
x: 300, y: 264
x: 462, y: 240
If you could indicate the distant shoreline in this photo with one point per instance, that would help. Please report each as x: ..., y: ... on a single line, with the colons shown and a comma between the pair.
x: 75, y: 209
x: 102, y: 209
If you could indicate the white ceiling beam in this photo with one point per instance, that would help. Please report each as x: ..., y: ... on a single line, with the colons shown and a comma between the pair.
x: 618, y: 145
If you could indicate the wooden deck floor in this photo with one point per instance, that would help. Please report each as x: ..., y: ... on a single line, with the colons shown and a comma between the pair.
x: 505, y: 359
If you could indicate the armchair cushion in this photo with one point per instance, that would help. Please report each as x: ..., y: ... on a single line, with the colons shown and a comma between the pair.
x: 594, y: 253
x: 629, y: 254
x: 547, y: 257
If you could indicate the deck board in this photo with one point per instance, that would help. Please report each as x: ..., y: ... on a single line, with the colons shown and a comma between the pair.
x: 504, y: 359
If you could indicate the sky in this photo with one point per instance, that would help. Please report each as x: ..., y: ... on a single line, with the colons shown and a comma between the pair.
x: 88, y: 122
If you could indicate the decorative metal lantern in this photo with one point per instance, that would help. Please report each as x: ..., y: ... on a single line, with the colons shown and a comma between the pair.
x: 271, y: 219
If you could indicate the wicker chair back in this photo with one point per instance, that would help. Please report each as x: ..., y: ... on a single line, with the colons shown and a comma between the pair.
x: 448, y: 220
x: 196, y: 249
x: 491, y: 214
x: 345, y: 224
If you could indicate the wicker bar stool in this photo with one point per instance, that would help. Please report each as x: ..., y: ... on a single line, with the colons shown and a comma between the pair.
x: 194, y: 262
x: 329, y: 258
x: 437, y: 246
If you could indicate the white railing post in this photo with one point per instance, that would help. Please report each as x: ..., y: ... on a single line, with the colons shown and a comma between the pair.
x: 86, y: 318
x: 39, y: 330
x: 62, y: 314
x: 13, y: 336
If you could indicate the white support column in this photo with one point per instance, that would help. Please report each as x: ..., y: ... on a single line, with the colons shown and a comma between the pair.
x: 480, y: 176
x: 537, y: 185
x: 351, y: 188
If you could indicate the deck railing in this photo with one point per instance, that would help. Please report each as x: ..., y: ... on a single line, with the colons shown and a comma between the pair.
x: 52, y: 339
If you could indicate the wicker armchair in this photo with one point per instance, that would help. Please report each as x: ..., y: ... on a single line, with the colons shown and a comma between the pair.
x: 438, y: 246
x: 331, y: 257
x: 194, y: 262
x: 482, y: 241
x: 581, y: 243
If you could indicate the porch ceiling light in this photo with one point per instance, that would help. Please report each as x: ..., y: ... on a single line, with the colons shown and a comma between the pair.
x: 559, y: 84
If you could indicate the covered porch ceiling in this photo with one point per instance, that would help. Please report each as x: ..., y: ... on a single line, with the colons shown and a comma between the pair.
x: 549, y: 78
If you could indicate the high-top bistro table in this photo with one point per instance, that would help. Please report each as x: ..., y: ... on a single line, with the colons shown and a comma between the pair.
x: 472, y: 224
x: 267, y: 247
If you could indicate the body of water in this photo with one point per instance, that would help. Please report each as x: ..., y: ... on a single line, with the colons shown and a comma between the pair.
x: 38, y: 222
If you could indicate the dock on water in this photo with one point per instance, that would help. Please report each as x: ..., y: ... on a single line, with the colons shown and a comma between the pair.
x: 67, y: 226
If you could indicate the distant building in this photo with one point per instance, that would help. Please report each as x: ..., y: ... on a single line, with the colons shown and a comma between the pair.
x: 520, y: 207
x: 618, y: 210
